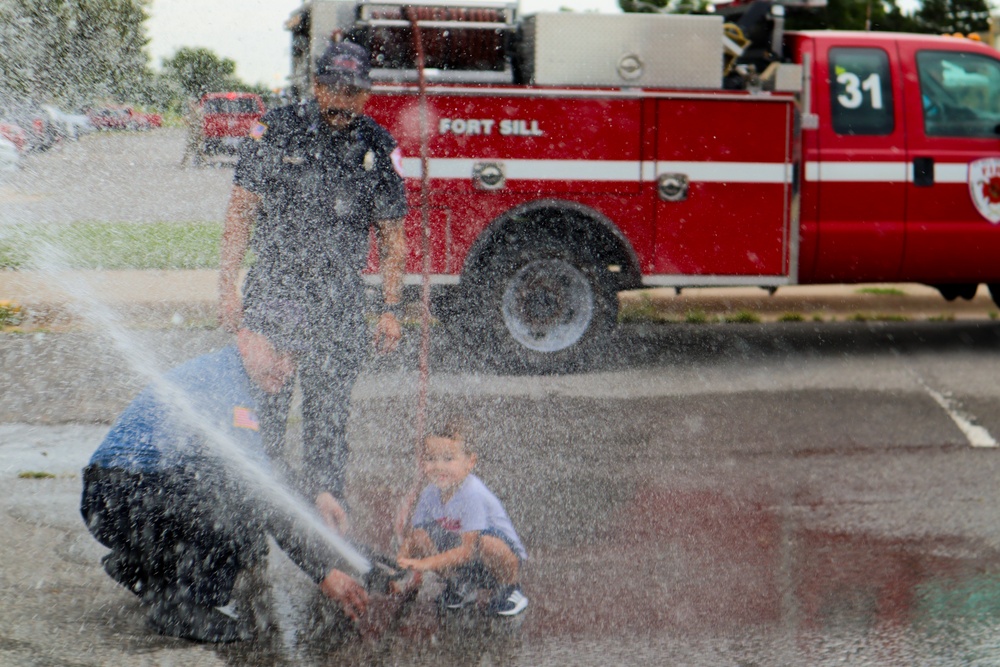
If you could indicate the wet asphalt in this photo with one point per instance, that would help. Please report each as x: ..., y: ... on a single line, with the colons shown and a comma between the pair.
x: 725, y: 494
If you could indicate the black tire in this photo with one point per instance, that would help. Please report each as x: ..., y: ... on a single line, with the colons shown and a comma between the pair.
x: 951, y: 292
x: 995, y: 292
x: 540, y: 309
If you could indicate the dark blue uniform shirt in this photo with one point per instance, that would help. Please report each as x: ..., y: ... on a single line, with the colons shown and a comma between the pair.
x: 156, y: 434
x: 213, y: 396
x: 320, y: 191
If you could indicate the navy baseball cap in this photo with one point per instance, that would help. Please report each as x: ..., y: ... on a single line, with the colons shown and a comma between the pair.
x: 344, y: 64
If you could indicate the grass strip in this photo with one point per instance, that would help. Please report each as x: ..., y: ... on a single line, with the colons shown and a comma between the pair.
x: 115, y: 245
x: 881, y: 291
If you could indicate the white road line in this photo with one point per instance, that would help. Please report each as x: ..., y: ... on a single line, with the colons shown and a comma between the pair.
x: 974, y: 433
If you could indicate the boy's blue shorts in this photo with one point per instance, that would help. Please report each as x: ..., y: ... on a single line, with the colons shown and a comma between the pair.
x: 447, y: 539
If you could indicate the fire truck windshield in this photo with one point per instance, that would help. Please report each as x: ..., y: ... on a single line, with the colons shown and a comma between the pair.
x: 961, y: 94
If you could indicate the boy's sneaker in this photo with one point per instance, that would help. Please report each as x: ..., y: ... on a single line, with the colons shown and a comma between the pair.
x: 457, y: 595
x: 509, y: 601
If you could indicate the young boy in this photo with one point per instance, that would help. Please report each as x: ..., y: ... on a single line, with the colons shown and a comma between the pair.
x: 460, y: 529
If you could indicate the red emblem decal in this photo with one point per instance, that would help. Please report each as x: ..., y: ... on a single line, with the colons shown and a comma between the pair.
x: 984, y: 187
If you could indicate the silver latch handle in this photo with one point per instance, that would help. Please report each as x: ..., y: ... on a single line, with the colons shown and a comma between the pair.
x: 489, y: 175
x: 672, y: 187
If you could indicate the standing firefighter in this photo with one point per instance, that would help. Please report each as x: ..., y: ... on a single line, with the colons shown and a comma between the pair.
x: 192, y: 143
x: 312, y: 181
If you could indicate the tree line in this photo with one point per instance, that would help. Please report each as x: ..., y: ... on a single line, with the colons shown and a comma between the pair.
x: 932, y: 16
x: 81, y: 52
x: 78, y: 53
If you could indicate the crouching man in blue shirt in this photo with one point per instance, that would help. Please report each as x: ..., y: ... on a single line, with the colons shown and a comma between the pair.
x: 180, y: 520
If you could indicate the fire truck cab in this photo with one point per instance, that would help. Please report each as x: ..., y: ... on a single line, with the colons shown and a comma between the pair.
x: 900, y: 151
x: 573, y: 156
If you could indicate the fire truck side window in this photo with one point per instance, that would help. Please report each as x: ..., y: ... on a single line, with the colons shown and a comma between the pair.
x: 960, y: 93
x: 861, y: 91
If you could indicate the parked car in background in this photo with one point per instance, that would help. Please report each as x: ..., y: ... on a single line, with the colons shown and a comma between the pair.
x: 123, y: 118
x: 10, y: 156
x: 15, y: 134
x: 108, y: 118
x: 226, y: 118
x: 68, y: 125
x: 40, y: 131
x: 138, y: 120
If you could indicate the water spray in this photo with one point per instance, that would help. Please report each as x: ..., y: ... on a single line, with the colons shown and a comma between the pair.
x: 375, y: 572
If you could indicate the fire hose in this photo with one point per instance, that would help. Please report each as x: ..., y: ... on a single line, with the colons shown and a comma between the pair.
x: 409, y: 499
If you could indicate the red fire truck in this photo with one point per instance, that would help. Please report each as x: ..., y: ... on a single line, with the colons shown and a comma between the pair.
x: 226, y: 118
x: 572, y: 156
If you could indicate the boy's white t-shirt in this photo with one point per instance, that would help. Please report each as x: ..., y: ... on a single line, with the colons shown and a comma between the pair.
x: 472, y: 508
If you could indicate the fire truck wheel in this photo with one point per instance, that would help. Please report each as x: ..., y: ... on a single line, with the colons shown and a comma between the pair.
x: 548, y: 311
x: 995, y: 292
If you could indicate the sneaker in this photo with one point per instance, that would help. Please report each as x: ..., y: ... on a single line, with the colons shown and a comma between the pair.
x: 457, y: 595
x: 125, y: 571
x: 251, y: 598
x: 202, y: 624
x: 509, y: 601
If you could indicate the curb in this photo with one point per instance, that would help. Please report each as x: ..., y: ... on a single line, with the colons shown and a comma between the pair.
x: 165, y: 298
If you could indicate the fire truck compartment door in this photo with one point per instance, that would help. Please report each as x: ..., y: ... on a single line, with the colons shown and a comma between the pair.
x: 547, y: 143
x: 722, y: 189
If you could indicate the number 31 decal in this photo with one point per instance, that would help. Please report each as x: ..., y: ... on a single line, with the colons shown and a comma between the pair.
x: 854, y: 90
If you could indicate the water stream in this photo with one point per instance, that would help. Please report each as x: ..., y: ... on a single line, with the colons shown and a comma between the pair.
x: 87, y: 304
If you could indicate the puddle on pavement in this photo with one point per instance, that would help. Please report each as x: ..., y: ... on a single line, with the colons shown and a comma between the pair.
x: 695, y: 567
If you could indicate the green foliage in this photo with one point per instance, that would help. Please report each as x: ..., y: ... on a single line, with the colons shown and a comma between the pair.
x: 933, y: 16
x: 951, y: 16
x: 854, y: 15
x: 695, y: 317
x: 881, y: 291
x: 877, y: 317
x: 11, y: 313
x: 108, y: 245
x: 664, y: 6
x: 199, y: 71
x: 742, y: 317
x: 190, y: 73
x: 79, y: 53
x: 72, y: 51
x: 882, y: 15
x: 640, y: 310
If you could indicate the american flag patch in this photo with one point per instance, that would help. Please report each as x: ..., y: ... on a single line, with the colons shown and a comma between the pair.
x: 245, y: 418
x: 258, y: 131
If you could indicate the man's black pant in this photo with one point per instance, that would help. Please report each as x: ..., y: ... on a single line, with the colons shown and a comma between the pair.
x: 326, y: 375
x: 182, y: 535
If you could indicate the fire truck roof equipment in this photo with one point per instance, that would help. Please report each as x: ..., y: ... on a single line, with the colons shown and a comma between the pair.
x: 487, y: 42
x: 617, y: 50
